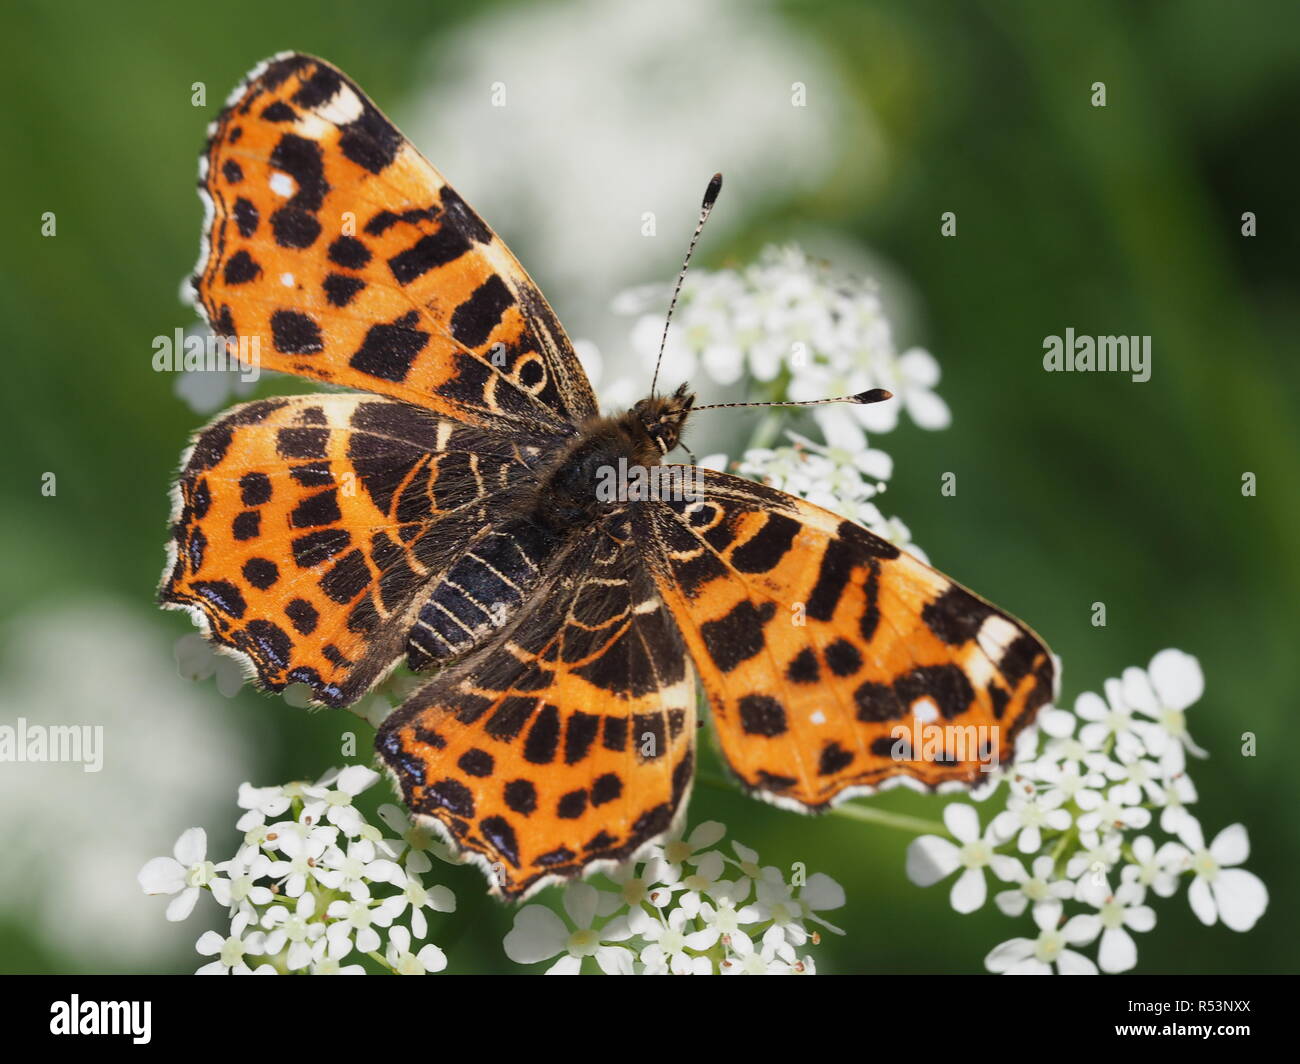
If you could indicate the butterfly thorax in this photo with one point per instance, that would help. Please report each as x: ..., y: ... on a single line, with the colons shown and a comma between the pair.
x: 569, y: 494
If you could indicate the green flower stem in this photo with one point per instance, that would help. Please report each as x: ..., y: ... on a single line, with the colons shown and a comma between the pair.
x: 865, y: 813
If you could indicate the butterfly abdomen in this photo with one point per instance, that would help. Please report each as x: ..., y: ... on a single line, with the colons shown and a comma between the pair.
x: 481, y: 591
x: 484, y: 588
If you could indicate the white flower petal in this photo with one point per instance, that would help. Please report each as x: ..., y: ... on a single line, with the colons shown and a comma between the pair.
x: 538, y: 933
x: 162, y: 875
x: 969, y: 892
x: 183, y: 904
x: 1231, y: 846
x: 930, y: 859
x: 1177, y: 678
x: 1202, y: 901
x: 962, y: 821
x: 191, y: 847
x: 1241, y: 897
x: 1071, y: 963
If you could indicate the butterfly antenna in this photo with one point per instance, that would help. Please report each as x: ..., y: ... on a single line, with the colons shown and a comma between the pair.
x: 875, y: 395
x: 710, y: 198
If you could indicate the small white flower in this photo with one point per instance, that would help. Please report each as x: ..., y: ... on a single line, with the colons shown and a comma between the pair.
x: 1111, y: 720
x: 1098, y: 853
x: 244, y: 893
x: 931, y: 858
x: 1050, y: 951
x: 1028, y: 814
x: 400, y: 958
x: 539, y: 934
x: 1221, y: 890
x: 230, y: 950
x: 1156, y: 869
x: 261, y: 802
x: 669, y: 940
x: 184, y: 875
x: 773, y: 957
x: 419, y: 897
x: 296, y: 929
x: 654, y: 884
x: 679, y: 848
x: 820, y: 894
x: 357, y: 867
x: 335, y: 803
x: 303, y: 852
x: 1110, y: 811
x: 1177, y: 792
x: 1073, y: 780
x: 355, y: 922
x: 730, y: 918
x: 420, y: 840
x: 1171, y: 683
x: 1038, y: 885
x: 196, y: 660
x: 1120, y: 913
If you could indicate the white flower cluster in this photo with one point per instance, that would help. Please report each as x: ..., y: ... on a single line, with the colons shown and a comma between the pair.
x: 1086, y: 814
x: 795, y: 330
x: 684, y: 908
x: 314, y: 886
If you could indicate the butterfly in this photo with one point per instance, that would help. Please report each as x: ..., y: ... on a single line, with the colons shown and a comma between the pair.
x: 442, y: 510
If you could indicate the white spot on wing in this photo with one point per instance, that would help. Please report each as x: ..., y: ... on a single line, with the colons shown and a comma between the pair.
x: 341, y: 108
x: 995, y: 635
x: 925, y: 710
x: 282, y: 184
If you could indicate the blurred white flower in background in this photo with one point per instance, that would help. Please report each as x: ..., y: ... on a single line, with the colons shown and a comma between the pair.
x: 565, y: 123
x: 96, y: 662
x: 205, y: 391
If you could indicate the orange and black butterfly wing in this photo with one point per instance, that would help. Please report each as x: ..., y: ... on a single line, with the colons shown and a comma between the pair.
x: 824, y: 648
x: 305, y: 528
x: 336, y: 247
x: 568, y: 740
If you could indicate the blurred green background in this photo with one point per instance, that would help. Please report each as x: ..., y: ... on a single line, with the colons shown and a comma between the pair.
x: 1072, y: 488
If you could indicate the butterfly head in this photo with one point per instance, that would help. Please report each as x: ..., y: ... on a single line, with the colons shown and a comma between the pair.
x: 662, y: 417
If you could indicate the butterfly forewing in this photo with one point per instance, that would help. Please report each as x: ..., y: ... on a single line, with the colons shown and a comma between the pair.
x: 350, y: 260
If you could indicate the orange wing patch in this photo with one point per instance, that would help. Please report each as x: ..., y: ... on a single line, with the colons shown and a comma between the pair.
x: 566, y: 743
x: 833, y: 661
x: 305, y: 529
x: 347, y: 256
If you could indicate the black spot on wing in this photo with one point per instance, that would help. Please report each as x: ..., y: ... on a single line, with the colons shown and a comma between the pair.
x: 293, y: 333
x: 389, y: 350
x: 764, y: 551
x: 473, y: 321
x: 955, y: 616
x: 429, y: 252
x: 738, y: 635
x: 762, y: 715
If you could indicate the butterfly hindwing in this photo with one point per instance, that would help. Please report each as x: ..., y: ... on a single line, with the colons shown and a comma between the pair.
x: 824, y: 648
x: 566, y: 741
x: 307, y: 527
x: 348, y: 258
